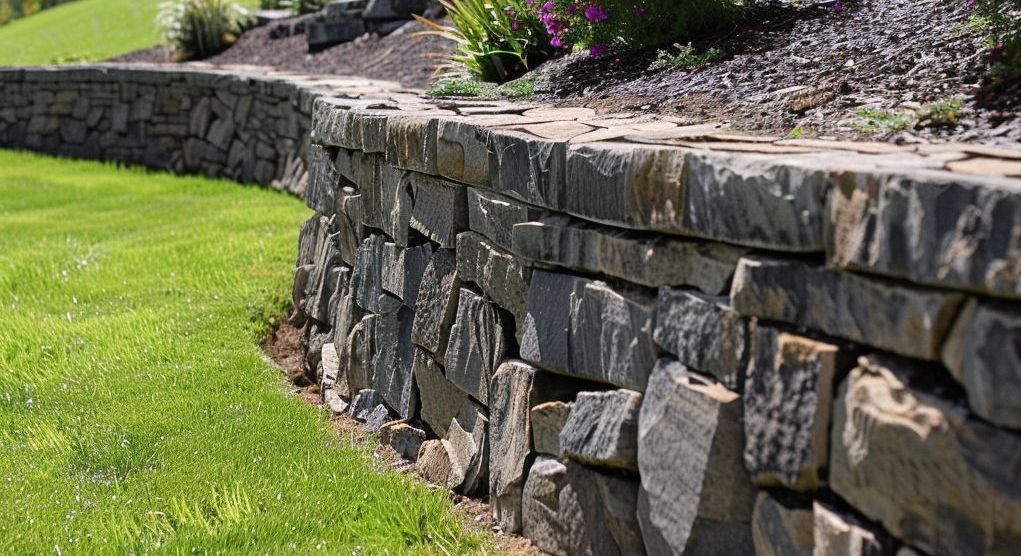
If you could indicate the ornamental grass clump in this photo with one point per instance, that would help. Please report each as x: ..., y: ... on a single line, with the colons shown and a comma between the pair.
x: 602, y: 26
x: 200, y: 28
x: 497, y: 40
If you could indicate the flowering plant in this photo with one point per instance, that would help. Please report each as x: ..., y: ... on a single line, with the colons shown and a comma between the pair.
x: 604, y: 25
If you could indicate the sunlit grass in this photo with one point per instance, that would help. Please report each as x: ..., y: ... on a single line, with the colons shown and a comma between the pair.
x: 136, y: 411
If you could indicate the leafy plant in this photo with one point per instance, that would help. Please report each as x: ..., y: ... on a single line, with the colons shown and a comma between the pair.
x: 684, y: 57
x: 941, y: 113
x: 620, y: 25
x: 870, y: 120
x: 497, y: 40
x: 1002, y: 20
x: 200, y: 28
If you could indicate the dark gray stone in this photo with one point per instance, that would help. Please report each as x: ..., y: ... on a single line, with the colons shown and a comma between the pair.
x: 393, y: 361
x: 983, y: 352
x: 437, y: 302
x: 323, y: 181
x: 494, y: 216
x: 367, y: 279
x: 403, y: 438
x: 904, y: 320
x: 704, y: 333
x: 411, y: 142
x: 364, y: 403
x: 690, y: 443
x: 498, y: 273
x: 584, y: 328
x: 648, y: 260
x: 527, y: 168
x: 479, y: 340
x: 462, y: 152
x: 440, y: 399
x: 441, y: 209
x: 403, y: 270
x: 602, y: 429
x: 779, y: 529
x: 568, y: 509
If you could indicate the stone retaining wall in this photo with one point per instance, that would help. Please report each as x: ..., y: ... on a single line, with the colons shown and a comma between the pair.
x: 246, y: 124
x: 636, y: 336
x: 629, y: 334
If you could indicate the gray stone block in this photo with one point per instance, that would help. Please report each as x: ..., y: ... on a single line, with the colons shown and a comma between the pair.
x: 494, y: 216
x: 376, y: 419
x: 932, y: 474
x: 547, y: 420
x: 905, y: 320
x: 367, y: 279
x: 704, y: 333
x: 437, y: 302
x: 568, y: 509
x: 403, y: 438
x: 440, y: 209
x: 468, y: 445
x: 479, y: 339
x: 323, y: 34
x: 787, y: 400
x: 323, y: 181
x: 585, y: 328
x: 642, y: 259
x: 411, y: 142
x: 393, y: 361
x: 527, y: 168
x: 350, y: 231
x: 983, y: 352
x: 779, y: 529
x: 439, y: 399
x: 930, y: 227
x: 364, y: 403
x: 690, y: 442
x: 462, y: 152
x: 395, y: 9
x: 393, y: 201
x: 403, y: 270
x: 498, y: 273
x: 602, y: 429
x: 837, y: 532
x: 356, y: 354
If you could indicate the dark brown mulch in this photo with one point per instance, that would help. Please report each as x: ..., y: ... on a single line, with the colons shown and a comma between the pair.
x: 804, y: 64
x: 402, y: 56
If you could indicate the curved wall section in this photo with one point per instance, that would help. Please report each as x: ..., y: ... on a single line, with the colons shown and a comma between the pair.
x: 246, y: 124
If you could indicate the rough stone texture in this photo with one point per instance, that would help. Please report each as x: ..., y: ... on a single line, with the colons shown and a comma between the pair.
x: 479, y: 339
x: 349, y: 225
x: 908, y: 321
x: 570, y: 510
x: 602, y: 429
x: 527, y: 167
x: 393, y: 360
x: 393, y: 202
x: 922, y: 466
x: 510, y: 438
x: 367, y: 279
x: 494, y: 216
x: 779, y: 529
x: 469, y: 447
x: 934, y: 228
x: 363, y: 404
x: 690, y: 442
x: 403, y: 438
x: 437, y: 302
x: 462, y: 152
x: 788, y: 396
x: 842, y: 533
x: 441, y: 209
x: 547, y: 420
x: 402, y: 270
x: 498, y: 273
x: 585, y: 328
x: 644, y: 259
x: 335, y: 403
x: 357, y: 354
x: 743, y: 199
x: 375, y: 420
x: 323, y: 181
x: 704, y: 333
x: 438, y: 466
x: 411, y: 143
x: 440, y: 399
x: 983, y: 353
x: 331, y: 366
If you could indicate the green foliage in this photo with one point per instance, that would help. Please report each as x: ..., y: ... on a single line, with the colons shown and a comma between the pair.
x: 870, y: 120
x: 1001, y: 19
x: 296, y: 6
x: 137, y: 415
x: 14, y: 9
x: 684, y: 56
x: 463, y: 85
x: 200, y: 28
x: 497, y: 40
x: 940, y: 113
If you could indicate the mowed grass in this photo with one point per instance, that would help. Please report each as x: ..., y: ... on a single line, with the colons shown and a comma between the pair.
x: 136, y: 410
x: 84, y: 30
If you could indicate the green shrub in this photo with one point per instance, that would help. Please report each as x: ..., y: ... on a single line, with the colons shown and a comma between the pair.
x: 1002, y: 19
x: 14, y: 9
x: 497, y: 40
x: 200, y: 28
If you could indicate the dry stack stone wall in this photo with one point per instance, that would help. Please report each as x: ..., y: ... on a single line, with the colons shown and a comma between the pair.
x: 629, y: 334
x: 246, y: 124
x: 638, y: 337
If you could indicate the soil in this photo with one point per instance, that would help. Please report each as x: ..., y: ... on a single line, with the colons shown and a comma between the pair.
x: 283, y: 347
x: 404, y: 56
x: 805, y: 64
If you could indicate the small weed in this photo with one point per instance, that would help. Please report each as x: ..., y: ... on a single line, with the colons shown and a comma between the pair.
x: 456, y: 88
x: 940, y: 113
x: 796, y: 133
x: 870, y: 120
x: 522, y: 88
x: 684, y: 57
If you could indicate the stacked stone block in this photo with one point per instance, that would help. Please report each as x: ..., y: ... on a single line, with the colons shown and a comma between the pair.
x: 632, y: 348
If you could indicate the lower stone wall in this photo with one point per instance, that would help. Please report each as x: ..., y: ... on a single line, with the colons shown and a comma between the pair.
x: 246, y: 124
x: 631, y: 349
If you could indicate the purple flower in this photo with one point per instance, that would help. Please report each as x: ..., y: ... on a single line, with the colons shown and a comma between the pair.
x: 555, y: 42
x: 596, y: 50
x: 838, y: 6
x: 640, y: 11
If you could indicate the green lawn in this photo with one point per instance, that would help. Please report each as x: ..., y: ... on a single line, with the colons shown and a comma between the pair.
x: 84, y: 30
x: 136, y: 411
